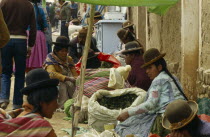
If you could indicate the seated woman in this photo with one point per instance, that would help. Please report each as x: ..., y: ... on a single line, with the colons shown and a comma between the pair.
x: 61, y: 66
x: 42, y: 93
x: 165, y: 88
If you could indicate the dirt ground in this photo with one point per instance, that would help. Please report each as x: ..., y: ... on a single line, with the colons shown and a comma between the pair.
x: 57, y: 120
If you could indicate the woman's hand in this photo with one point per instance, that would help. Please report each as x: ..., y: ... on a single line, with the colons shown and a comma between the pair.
x: 183, y: 133
x: 71, y: 79
x: 123, y: 116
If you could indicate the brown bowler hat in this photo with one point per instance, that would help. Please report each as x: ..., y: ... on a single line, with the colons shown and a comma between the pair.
x: 151, y: 56
x: 131, y: 46
x: 127, y: 24
x: 179, y: 113
x: 122, y: 33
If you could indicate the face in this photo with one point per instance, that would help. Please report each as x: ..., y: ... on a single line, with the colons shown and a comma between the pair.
x: 62, y: 54
x: 129, y: 58
x: 48, y: 109
x: 153, y: 71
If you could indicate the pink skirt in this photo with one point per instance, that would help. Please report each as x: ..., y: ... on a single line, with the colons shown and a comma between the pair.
x: 38, y: 52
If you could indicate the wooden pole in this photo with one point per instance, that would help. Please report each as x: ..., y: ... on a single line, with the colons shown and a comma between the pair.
x: 82, y: 72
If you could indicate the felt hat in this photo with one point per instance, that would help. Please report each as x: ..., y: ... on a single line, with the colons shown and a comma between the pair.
x: 77, y: 21
x: 61, y: 41
x: 151, y: 56
x: 131, y: 46
x: 122, y: 33
x: 179, y: 113
x: 127, y: 24
x: 38, y: 78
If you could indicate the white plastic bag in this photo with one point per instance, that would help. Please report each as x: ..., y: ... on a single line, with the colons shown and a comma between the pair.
x: 100, y: 115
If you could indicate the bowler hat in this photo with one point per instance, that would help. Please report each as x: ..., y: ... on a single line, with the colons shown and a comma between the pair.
x: 131, y: 46
x: 151, y: 56
x: 127, y: 24
x: 179, y: 113
x: 38, y: 78
x: 61, y: 41
x: 122, y: 33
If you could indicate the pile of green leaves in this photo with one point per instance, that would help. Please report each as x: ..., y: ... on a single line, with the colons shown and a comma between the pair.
x: 120, y: 102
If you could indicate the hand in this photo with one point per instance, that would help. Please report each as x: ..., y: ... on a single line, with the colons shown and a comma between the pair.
x: 183, y: 133
x: 123, y: 116
x: 28, y: 52
x: 72, y: 79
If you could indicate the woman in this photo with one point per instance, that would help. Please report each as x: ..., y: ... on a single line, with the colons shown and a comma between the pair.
x: 42, y: 96
x: 165, y: 88
x: 39, y: 50
x: 61, y: 67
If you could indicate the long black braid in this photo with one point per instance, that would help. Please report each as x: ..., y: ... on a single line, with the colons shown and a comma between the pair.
x: 164, y: 68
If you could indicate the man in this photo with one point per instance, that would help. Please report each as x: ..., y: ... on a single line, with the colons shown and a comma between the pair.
x: 74, y: 9
x: 133, y: 56
x: 4, y: 32
x: 74, y: 28
x: 18, y: 15
x: 181, y: 118
x: 65, y: 17
x: 77, y: 45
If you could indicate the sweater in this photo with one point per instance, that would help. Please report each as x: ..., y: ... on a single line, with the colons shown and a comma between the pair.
x: 19, y: 15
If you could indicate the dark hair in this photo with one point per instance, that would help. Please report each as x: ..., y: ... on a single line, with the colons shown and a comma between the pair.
x: 58, y: 48
x: 164, y: 66
x: 37, y: 96
x: 192, y: 126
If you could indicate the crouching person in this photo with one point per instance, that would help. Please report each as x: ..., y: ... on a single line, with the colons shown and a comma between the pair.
x: 60, y: 66
x: 42, y: 94
x: 147, y: 117
x: 181, y: 118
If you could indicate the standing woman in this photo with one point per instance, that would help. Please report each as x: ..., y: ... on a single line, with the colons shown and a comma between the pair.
x: 65, y: 17
x: 39, y: 51
x: 147, y: 117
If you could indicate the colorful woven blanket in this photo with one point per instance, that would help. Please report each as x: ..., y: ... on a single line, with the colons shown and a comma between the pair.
x: 95, y: 79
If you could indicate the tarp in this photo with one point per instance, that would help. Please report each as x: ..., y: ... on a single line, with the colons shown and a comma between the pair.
x: 156, y: 6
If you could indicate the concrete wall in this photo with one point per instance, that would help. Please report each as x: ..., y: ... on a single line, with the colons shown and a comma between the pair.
x: 203, y: 81
x: 164, y: 33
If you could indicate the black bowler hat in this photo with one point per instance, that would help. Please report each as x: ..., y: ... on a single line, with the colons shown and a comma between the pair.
x: 38, y: 78
x: 61, y: 41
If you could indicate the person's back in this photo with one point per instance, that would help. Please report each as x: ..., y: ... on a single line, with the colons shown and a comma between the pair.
x: 18, y: 14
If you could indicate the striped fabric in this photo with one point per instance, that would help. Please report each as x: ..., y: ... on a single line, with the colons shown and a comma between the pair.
x: 95, y: 79
x: 31, y: 125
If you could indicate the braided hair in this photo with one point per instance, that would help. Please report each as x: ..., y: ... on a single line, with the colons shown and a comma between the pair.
x: 41, y: 95
x: 164, y: 68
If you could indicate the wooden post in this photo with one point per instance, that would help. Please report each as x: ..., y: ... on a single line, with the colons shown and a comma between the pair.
x: 82, y: 71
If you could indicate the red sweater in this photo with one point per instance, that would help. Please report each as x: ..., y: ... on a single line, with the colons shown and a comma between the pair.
x: 19, y: 15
